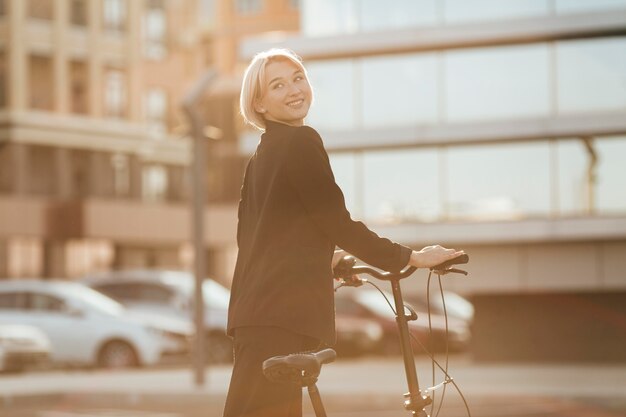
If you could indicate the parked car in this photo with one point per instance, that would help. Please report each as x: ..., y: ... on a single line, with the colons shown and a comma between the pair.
x: 85, y: 327
x: 171, y: 293
x: 356, y: 335
x: 370, y: 304
x: 21, y: 347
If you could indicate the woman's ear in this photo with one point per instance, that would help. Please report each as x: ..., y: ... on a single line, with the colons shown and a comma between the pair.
x: 258, y: 107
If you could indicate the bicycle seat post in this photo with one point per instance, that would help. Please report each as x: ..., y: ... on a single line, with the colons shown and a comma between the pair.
x: 415, y: 401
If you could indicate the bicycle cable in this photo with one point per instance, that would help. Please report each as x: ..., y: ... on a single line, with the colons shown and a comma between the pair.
x: 448, y: 379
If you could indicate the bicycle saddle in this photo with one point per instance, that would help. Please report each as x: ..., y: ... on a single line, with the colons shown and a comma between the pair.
x: 297, y: 368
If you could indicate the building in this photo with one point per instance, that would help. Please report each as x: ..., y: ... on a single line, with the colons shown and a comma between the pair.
x: 498, y: 127
x: 93, y: 154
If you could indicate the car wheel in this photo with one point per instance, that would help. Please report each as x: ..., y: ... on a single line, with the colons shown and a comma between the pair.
x: 220, y: 349
x: 117, y: 354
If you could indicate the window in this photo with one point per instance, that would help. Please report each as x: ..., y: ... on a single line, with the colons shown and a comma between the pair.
x: 397, y: 14
x: 41, y: 83
x: 2, y: 8
x: 42, y: 160
x: 577, y: 6
x: 335, y: 105
x: 3, y: 81
x: 497, y: 83
x: 248, y: 6
x: 154, y: 183
x: 121, y: 174
x: 40, y: 9
x: 400, y: 90
x: 12, y: 300
x: 115, y: 93
x: 401, y: 186
x: 78, y: 12
x: 461, y: 11
x: 44, y: 302
x: 78, y: 85
x: 154, y: 293
x: 155, y: 30
x: 591, y: 75
x: 156, y: 112
x: 114, y: 14
x: 504, y: 181
x: 120, y: 292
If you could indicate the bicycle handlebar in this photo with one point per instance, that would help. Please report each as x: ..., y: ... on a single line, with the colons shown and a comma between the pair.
x: 345, y: 269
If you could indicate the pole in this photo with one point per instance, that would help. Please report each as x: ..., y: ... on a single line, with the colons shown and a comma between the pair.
x: 190, y: 105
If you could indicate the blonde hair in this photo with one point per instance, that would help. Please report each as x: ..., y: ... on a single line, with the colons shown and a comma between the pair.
x: 253, y: 89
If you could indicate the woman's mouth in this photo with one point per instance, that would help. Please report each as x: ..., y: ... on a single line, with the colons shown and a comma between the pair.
x: 295, y: 103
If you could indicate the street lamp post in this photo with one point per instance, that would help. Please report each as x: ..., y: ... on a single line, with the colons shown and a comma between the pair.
x: 191, y: 107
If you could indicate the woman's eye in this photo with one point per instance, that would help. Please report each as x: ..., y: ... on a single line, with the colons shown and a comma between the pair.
x: 277, y: 85
x: 299, y: 78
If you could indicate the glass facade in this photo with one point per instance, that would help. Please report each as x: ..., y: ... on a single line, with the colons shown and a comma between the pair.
x: 334, y: 17
x: 471, y: 85
x: 503, y: 181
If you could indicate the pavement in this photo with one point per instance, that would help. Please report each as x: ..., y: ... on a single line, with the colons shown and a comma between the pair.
x: 364, y: 387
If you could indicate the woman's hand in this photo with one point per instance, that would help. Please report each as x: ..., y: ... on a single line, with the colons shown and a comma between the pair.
x: 432, y: 255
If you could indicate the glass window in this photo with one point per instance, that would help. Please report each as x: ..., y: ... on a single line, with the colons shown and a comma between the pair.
x: 40, y: 9
x: 3, y: 81
x: 12, y: 300
x: 569, y: 6
x: 344, y: 167
x: 401, y: 185
x: 497, y: 83
x: 397, y: 14
x: 119, y: 292
x: 334, y: 106
x: 154, y: 183
x: 155, y: 30
x: 504, y: 181
x: 42, y: 180
x: 114, y: 14
x: 458, y: 11
x: 79, y: 85
x: 399, y: 90
x: 611, y: 173
x: 44, y: 302
x: 248, y: 6
x: 592, y: 75
x: 41, y: 83
x: 156, y: 112
x: 328, y: 17
x: 115, y: 93
x: 154, y: 293
x: 78, y: 12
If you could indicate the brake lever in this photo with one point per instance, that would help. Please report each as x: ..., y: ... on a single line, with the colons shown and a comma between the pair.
x: 449, y: 271
x: 351, y: 282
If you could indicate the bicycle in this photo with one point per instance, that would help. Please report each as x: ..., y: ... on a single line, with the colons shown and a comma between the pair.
x: 304, y: 368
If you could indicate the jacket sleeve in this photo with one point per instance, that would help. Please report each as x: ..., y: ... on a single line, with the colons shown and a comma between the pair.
x: 309, y: 172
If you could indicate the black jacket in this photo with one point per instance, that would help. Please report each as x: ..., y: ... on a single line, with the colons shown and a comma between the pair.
x: 292, y: 214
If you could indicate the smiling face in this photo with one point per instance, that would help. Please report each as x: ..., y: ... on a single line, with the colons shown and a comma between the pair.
x: 286, y: 94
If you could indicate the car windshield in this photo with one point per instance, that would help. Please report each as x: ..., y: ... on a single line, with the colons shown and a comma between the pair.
x: 95, y: 300
x: 214, y: 294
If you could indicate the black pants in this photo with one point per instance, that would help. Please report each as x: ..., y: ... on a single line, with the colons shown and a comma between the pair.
x: 251, y: 394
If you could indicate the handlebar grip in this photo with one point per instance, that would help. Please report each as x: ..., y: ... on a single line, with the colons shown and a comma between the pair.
x: 462, y: 259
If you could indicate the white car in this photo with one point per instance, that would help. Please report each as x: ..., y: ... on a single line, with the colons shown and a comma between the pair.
x: 22, y: 346
x: 85, y: 327
x: 171, y: 294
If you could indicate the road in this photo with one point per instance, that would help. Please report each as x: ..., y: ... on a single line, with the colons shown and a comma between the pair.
x: 350, y: 388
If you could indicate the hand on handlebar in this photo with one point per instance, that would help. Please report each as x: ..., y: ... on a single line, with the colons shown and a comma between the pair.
x: 433, y: 255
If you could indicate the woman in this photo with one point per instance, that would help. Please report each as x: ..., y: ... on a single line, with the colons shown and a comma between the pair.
x: 292, y: 215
